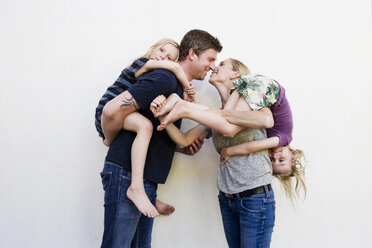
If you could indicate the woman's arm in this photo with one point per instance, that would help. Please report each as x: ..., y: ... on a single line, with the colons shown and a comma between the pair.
x: 165, y: 64
x: 186, y: 139
x: 248, y: 148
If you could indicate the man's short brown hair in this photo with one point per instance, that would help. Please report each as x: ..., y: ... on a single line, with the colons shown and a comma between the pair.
x: 199, y: 41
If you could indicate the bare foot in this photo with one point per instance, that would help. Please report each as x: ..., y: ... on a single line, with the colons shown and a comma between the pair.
x: 163, y: 208
x: 170, y: 102
x: 105, y: 142
x: 142, y: 202
x: 176, y: 113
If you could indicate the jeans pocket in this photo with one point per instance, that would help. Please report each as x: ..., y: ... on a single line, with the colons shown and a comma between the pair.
x: 106, y: 181
x: 253, y: 206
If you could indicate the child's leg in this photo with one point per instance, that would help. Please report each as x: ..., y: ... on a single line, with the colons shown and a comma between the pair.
x: 209, y: 118
x: 113, y: 115
x: 170, y: 102
x: 136, y: 192
x: 164, y: 208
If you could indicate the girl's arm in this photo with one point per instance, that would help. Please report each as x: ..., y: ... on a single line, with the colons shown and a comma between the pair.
x: 186, y: 139
x: 248, y: 148
x: 165, y: 64
x: 262, y: 118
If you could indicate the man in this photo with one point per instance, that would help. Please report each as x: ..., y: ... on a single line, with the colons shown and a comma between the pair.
x: 124, y: 225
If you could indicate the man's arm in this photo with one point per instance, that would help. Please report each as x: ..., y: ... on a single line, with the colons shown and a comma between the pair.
x: 113, y: 114
x: 122, y: 106
x: 185, y: 139
x: 262, y: 118
x: 191, y: 149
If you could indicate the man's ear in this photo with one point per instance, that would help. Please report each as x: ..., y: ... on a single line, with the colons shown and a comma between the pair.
x: 235, y: 75
x: 192, y: 55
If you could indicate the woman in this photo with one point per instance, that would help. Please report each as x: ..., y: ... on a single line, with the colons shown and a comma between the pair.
x: 253, y: 92
x: 246, y: 199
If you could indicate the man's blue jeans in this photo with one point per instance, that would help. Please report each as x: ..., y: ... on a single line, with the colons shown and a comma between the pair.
x: 124, y: 225
x: 248, y: 222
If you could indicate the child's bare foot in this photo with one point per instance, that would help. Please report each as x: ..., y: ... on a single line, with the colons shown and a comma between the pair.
x: 105, y: 142
x: 142, y: 202
x: 170, y: 102
x: 163, y: 208
x: 176, y: 113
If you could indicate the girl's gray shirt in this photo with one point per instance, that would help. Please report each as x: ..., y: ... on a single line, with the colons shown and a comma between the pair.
x: 244, y: 172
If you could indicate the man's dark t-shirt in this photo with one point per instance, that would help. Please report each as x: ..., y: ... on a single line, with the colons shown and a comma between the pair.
x: 161, y: 148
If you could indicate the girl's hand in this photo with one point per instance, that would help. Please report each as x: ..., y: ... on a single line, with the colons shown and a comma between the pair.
x: 187, y: 97
x: 189, y: 93
x: 224, y: 156
x: 190, y: 90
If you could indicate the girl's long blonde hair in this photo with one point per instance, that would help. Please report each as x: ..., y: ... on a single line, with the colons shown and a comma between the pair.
x: 161, y: 43
x: 157, y: 45
x: 296, y: 174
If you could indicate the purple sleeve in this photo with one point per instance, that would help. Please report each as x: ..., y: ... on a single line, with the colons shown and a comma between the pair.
x: 284, y: 139
x: 283, y: 120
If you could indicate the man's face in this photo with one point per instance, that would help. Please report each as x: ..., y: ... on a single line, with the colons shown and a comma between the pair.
x: 204, y: 63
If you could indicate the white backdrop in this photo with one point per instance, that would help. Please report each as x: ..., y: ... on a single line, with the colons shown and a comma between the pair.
x: 58, y: 57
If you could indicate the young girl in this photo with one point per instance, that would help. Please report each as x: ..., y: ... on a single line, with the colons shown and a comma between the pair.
x: 109, y: 122
x: 287, y: 163
x: 253, y: 92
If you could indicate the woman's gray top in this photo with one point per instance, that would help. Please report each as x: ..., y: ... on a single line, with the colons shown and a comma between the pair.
x: 245, y: 172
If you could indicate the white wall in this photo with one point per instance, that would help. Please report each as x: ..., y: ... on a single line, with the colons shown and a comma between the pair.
x: 58, y: 57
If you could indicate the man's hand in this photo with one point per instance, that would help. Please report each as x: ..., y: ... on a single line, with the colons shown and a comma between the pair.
x: 193, y: 148
x: 157, y: 103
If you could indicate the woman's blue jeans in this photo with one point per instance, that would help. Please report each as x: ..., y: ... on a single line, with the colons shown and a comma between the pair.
x: 248, y: 222
x: 124, y: 225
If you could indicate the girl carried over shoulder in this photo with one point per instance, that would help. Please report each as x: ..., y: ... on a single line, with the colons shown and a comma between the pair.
x: 110, y: 120
x: 253, y: 96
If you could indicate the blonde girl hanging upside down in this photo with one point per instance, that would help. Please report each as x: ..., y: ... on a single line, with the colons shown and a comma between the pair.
x: 253, y: 96
x: 109, y: 120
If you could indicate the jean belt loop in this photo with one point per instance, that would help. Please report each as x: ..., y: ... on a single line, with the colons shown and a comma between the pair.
x: 266, y: 190
x: 237, y: 196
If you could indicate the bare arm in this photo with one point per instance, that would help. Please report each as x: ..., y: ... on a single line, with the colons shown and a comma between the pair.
x: 188, y: 143
x: 186, y: 139
x: 248, y: 148
x: 191, y: 149
x: 262, y: 118
x: 114, y: 113
x: 121, y: 106
x: 165, y: 64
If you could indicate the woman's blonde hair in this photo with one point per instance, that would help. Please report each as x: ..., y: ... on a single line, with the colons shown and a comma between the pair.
x: 297, y: 172
x: 239, y: 67
x: 161, y: 43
